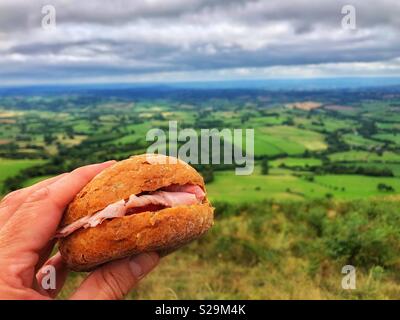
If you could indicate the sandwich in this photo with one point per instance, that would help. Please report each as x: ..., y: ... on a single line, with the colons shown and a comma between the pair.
x: 145, y: 203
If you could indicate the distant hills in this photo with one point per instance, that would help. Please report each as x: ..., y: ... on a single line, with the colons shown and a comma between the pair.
x: 315, y: 84
x: 266, y: 92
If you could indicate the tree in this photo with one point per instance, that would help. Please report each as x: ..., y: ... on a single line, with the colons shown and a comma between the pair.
x: 208, y: 174
x: 289, y: 122
x: 385, y: 187
x: 69, y: 130
x: 49, y: 138
x: 264, y: 166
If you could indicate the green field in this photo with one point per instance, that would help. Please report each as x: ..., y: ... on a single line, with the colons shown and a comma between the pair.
x: 357, y: 140
x: 286, y: 140
x: 356, y: 187
x: 296, y: 162
x: 9, y: 168
x: 32, y: 181
x: 283, y: 132
x: 365, y: 156
x: 395, y: 138
x: 394, y: 167
x: 283, y: 185
x: 324, y: 123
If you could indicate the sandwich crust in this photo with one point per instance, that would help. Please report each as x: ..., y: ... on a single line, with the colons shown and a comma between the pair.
x: 161, y: 231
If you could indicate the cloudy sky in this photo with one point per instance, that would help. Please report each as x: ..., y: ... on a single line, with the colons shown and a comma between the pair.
x: 180, y: 40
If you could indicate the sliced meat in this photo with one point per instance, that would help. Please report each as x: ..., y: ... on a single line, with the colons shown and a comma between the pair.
x: 144, y: 200
x: 172, y: 196
x: 66, y: 231
x: 189, y: 188
x: 173, y: 199
x: 114, y: 210
x: 164, y: 198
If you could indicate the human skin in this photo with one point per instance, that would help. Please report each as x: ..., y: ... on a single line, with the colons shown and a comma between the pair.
x: 28, y: 222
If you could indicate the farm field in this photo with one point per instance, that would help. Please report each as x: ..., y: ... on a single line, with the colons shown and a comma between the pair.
x: 32, y: 181
x: 393, y: 167
x: 296, y: 162
x: 395, y: 138
x: 9, y: 168
x: 311, y: 142
x: 285, y: 185
x: 350, y: 156
x: 286, y: 140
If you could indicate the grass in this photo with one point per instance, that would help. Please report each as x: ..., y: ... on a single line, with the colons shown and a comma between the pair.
x: 82, y: 126
x: 285, y: 139
x: 130, y: 138
x: 356, y: 156
x: 139, y: 131
x: 388, y: 126
x: 283, y: 185
x: 282, y: 251
x: 395, y: 138
x: 354, y: 186
x: 296, y: 162
x: 394, y: 167
x: 323, y: 123
x: 359, y: 141
x: 77, y: 139
x: 277, y: 140
x: 11, y: 167
x: 228, y: 187
x: 32, y: 181
x: 279, y: 184
x: 264, y: 121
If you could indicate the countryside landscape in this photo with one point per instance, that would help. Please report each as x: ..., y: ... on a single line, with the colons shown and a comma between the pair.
x: 324, y: 193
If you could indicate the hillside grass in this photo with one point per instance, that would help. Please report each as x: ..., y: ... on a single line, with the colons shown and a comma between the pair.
x: 11, y: 167
x: 394, y: 167
x: 355, y: 186
x: 282, y: 184
x: 296, y: 162
x: 285, y: 139
x: 32, y: 181
x: 395, y: 138
x: 356, y: 156
x: 359, y: 141
x: 283, y: 251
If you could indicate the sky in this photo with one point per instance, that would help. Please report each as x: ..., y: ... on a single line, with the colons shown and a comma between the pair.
x: 195, y: 40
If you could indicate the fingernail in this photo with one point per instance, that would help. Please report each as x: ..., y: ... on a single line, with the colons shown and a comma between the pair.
x: 136, y: 268
x: 143, y: 263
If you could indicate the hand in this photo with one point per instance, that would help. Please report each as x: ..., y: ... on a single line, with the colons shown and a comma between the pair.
x: 28, y: 221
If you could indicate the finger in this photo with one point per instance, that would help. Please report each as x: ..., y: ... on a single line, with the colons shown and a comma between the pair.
x: 35, y: 222
x: 115, y: 279
x: 13, y: 200
x: 45, y: 253
x: 37, y: 218
x: 61, y: 274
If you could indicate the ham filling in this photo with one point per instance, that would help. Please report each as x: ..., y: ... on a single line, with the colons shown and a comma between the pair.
x: 169, y: 197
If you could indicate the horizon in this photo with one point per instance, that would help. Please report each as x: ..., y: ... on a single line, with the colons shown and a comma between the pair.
x: 256, y: 83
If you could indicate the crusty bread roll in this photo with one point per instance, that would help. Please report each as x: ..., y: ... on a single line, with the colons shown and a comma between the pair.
x: 162, y: 230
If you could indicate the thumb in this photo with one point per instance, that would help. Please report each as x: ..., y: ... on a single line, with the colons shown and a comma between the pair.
x: 114, y: 280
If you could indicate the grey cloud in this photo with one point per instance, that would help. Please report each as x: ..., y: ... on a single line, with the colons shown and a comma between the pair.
x: 119, y: 37
x: 20, y: 14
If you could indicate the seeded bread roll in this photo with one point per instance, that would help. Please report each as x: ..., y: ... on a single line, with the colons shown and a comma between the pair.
x: 162, y: 231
